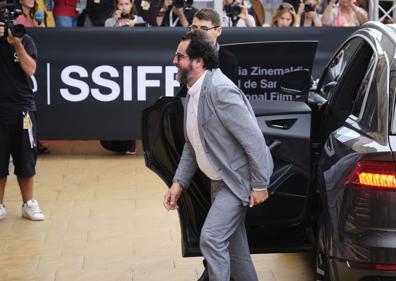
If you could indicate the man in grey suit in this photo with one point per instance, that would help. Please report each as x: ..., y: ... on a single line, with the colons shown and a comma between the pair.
x: 224, y: 140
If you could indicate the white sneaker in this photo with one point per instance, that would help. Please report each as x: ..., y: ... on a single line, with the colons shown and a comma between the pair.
x: 31, y: 211
x: 2, y: 211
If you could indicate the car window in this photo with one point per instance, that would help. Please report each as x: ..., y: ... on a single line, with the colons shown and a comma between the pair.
x: 361, y: 95
x: 337, y: 66
x: 392, y: 101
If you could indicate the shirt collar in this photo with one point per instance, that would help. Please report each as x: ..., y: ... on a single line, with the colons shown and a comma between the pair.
x: 195, y: 89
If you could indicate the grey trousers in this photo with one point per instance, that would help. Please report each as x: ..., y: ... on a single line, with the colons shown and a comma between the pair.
x: 223, y: 240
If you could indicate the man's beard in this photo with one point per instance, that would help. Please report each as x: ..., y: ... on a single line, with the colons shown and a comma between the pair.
x: 184, y: 75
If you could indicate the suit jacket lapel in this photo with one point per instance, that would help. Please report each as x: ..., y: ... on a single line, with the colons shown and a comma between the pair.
x: 201, y: 104
x: 185, y: 116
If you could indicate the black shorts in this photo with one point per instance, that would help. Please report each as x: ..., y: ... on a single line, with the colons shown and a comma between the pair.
x: 15, y: 141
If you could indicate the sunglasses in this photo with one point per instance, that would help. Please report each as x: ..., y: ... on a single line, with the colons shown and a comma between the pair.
x: 286, y: 6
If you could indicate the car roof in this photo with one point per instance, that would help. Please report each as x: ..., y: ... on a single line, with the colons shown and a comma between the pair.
x: 389, y: 45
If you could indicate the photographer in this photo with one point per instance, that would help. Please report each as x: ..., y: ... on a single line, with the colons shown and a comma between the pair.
x: 342, y: 14
x: 17, y: 114
x: 235, y: 13
x: 124, y: 15
x: 307, y: 14
x: 176, y: 13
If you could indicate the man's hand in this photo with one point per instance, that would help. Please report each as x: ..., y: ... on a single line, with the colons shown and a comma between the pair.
x: 2, y: 29
x: 14, y: 41
x: 257, y: 197
x: 172, y: 195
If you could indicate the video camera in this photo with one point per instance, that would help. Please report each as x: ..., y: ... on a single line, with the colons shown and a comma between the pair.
x: 8, y: 15
x: 233, y: 10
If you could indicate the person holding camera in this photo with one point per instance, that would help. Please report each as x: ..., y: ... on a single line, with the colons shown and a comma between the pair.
x: 18, y: 57
x: 346, y: 13
x: 235, y: 13
x: 124, y: 15
x: 307, y: 14
x: 176, y: 13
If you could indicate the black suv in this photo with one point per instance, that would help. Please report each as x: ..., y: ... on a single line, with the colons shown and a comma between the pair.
x: 333, y: 190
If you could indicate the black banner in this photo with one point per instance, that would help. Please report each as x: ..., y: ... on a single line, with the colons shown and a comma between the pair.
x: 261, y: 64
x: 94, y: 83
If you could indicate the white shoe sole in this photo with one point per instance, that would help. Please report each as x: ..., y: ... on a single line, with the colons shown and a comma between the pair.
x: 26, y: 216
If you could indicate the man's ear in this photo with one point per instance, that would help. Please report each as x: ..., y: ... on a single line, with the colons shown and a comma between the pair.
x: 219, y: 30
x: 198, y: 63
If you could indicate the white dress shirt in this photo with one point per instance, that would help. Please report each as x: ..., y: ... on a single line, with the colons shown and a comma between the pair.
x: 193, y: 132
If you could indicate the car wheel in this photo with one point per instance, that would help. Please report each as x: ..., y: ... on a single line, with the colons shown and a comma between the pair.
x: 321, y: 262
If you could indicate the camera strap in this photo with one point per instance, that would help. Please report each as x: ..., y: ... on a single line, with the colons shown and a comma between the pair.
x: 171, y: 22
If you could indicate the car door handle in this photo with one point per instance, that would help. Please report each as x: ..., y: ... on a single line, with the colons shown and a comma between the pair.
x: 328, y: 147
x: 274, y: 145
x: 283, y: 124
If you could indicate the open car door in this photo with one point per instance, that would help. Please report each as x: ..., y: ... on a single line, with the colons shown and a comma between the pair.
x: 278, y: 225
x: 281, y: 223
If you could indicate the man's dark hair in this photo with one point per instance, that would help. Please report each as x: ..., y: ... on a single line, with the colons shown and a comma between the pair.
x: 209, y: 15
x: 201, y: 47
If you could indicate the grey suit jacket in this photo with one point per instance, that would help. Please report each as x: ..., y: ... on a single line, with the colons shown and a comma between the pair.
x: 231, y: 138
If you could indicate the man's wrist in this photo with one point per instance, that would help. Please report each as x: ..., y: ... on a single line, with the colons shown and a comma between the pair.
x: 179, y: 183
x: 260, y: 189
x: 18, y: 45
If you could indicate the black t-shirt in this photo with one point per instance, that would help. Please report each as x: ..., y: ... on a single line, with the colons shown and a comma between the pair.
x: 170, y: 19
x: 150, y: 13
x: 99, y: 11
x: 16, y: 93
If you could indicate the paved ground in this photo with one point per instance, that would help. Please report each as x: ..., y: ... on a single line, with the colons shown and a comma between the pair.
x: 105, y: 222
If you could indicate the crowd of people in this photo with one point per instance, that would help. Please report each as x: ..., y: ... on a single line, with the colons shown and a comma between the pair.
x: 179, y: 13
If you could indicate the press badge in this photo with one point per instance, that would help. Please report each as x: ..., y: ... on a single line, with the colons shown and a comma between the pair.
x: 26, y: 122
x: 28, y: 125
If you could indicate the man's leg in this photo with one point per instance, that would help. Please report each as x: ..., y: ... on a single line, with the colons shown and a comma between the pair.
x: 225, y: 216
x: 26, y: 186
x: 2, y: 188
x: 242, y: 267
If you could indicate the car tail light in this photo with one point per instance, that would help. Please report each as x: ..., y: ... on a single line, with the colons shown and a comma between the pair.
x: 373, y: 175
x: 372, y: 266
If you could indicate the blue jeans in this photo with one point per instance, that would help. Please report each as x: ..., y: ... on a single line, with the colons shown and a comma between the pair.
x: 64, y: 21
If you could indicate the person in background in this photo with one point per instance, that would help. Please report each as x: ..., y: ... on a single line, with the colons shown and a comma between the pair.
x: 18, y: 58
x: 124, y: 15
x: 307, y: 13
x: 97, y: 12
x: 27, y: 18
x: 346, y: 13
x: 284, y: 16
x: 235, y: 14
x: 175, y: 13
x: 66, y: 12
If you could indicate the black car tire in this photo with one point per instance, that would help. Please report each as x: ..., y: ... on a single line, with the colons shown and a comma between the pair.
x: 321, y: 264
